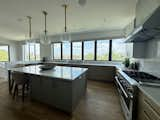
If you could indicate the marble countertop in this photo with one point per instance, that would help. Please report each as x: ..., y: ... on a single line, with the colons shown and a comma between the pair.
x: 60, y: 72
x: 87, y: 64
x: 151, y: 92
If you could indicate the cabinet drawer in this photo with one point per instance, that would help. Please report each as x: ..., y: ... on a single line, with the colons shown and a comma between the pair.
x: 149, y: 111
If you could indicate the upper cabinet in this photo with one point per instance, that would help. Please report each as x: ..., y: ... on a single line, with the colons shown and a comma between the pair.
x: 144, y: 10
x: 146, y: 25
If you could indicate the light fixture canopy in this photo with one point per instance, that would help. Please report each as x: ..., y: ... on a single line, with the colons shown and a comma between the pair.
x: 44, y: 38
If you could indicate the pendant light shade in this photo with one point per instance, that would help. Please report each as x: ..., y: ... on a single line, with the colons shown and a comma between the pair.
x: 44, y: 39
x: 82, y: 2
x: 66, y: 36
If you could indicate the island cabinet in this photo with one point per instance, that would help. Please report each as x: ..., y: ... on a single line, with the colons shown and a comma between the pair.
x: 60, y: 87
x: 147, y: 109
x: 59, y: 93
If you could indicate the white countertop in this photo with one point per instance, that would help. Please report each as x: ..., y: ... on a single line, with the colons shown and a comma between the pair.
x: 152, y: 92
x: 60, y: 72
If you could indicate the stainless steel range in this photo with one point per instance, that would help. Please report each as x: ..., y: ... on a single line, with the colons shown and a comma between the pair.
x: 127, y: 82
x: 127, y: 89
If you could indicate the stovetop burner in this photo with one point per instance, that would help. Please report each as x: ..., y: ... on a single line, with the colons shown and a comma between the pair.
x: 142, y: 76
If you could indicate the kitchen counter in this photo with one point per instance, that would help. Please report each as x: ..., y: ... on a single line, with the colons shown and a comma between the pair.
x: 152, y: 92
x: 61, y: 72
x: 87, y: 64
x: 61, y: 87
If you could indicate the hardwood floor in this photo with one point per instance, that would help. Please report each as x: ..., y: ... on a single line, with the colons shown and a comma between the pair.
x: 100, y: 103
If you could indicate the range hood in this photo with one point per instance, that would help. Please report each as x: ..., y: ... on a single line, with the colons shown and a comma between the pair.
x: 149, y: 30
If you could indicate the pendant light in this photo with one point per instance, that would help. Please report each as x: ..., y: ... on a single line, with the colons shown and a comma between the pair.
x: 66, y: 37
x: 44, y: 39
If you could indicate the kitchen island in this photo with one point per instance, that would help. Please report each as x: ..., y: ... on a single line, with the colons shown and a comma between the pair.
x: 60, y: 87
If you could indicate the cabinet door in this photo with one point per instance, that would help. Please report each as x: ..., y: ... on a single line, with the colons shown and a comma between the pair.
x: 36, y: 91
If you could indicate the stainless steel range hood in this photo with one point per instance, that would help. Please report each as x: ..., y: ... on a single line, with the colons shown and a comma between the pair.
x: 149, y: 30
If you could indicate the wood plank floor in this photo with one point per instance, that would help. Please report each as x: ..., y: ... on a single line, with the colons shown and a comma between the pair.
x: 100, y: 103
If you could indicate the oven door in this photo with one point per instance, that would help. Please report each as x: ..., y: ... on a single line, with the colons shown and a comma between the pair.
x: 125, y: 99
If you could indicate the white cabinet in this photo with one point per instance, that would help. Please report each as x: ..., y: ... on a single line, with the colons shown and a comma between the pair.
x: 147, y: 109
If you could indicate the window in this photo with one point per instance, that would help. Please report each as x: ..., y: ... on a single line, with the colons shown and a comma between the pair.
x: 4, y: 53
x: 57, y: 51
x: 37, y: 52
x: 89, y: 47
x: 102, y: 49
x: 31, y: 52
x: 77, y: 50
x: 119, y: 50
x: 66, y: 48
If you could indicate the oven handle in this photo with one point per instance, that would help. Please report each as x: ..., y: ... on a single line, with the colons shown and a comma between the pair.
x: 124, y: 92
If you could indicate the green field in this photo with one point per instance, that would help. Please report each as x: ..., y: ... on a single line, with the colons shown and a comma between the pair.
x: 3, y: 55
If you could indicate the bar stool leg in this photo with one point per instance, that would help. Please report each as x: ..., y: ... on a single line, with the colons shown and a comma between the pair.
x: 23, y: 89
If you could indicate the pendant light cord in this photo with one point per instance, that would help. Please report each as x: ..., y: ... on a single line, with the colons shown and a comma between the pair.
x: 65, y: 7
x: 65, y: 15
x: 30, y: 26
x: 45, y: 20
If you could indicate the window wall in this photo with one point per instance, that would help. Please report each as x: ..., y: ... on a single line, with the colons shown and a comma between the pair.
x: 4, y: 53
x: 118, y: 49
x: 31, y: 52
x: 89, y: 49
x: 57, y: 50
x: 100, y: 50
x: 66, y: 50
x: 77, y: 50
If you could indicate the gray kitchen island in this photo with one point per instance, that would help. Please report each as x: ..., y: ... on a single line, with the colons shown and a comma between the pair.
x: 60, y: 87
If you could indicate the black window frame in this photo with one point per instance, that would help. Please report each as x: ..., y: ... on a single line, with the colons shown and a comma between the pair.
x: 82, y: 49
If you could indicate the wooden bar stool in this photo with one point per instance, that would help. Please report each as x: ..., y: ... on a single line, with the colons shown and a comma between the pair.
x: 19, y: 79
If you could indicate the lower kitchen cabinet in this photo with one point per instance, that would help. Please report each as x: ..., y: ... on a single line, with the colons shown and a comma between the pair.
x: 147, y: 109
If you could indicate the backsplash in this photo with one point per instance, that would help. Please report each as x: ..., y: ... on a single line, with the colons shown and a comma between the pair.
x: 151, y: 66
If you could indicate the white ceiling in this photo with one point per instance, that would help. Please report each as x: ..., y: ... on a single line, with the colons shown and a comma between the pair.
x: 95, y: 15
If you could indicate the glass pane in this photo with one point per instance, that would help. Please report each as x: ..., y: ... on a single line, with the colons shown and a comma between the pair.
x: 57, y: 51
x: 32, y: 52
x: 102, y: 49
x: 89, y: 50
x: 4, y: 55
x: 77, y: 50
x: 66, y: 50
x: 37, y: 51
x: 26, y: 55
x: 119, y: 49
